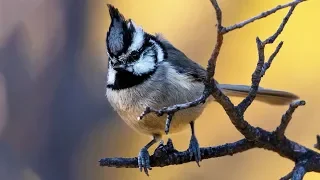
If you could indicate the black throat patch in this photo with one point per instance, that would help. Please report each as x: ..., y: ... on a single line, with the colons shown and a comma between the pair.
x: 125, y: 79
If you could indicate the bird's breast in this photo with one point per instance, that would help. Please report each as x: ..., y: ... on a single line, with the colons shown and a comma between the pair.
x: 157, y: 93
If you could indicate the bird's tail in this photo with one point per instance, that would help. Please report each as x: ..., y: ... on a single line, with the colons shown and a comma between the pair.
x: 270, y: 96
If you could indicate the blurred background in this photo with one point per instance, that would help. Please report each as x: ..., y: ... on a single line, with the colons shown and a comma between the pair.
x: 55, y: 122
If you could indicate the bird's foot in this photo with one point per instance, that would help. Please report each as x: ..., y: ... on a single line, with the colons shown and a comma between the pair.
x: 144, y: 160
x: 194, y: 150
x: 164, y: 150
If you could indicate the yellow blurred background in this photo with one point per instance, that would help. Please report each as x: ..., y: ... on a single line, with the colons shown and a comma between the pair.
x: 55, y: 122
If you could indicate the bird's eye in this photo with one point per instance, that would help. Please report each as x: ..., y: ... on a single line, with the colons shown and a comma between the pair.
x: 134, y: 55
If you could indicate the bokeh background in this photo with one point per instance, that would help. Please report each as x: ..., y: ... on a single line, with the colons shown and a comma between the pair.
x: 55, y: 122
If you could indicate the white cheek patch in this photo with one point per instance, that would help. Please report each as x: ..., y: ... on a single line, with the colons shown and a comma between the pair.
x: 160, y: 55
x: 144, y: 65
x: 111, y: 76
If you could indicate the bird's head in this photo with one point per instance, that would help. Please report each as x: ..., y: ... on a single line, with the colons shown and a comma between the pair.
x: 130, y: 49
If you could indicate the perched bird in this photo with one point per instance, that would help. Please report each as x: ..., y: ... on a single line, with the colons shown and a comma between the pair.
x: 146, y: 70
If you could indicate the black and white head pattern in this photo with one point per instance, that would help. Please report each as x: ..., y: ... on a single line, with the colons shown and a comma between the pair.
x: 133, y: 54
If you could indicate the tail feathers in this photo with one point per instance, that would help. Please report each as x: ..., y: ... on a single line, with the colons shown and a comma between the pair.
x: 269, y: 96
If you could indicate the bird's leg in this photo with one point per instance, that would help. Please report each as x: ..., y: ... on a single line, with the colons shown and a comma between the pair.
x: 144, y: 157
x: 194, y: 148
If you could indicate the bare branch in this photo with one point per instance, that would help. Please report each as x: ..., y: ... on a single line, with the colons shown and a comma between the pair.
x: 288, y: 176
x: 317, y: 145
x: 166, y: 155
x: 260, y: 16
x: 259, y: 72
x: 255, y: 80
x: 261, y: 66
x: 174, y: 108
x: 234, y: 115
x: 298, y: 172
x: 170, y: 111
x: 214, y: 56
x: 273, y: 55
x: 218, y: 11
x: 168, y: 122
x: 287, y: 117
x: 272, y: 38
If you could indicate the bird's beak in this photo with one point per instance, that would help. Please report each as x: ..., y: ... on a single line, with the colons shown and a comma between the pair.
x: 119, y: 68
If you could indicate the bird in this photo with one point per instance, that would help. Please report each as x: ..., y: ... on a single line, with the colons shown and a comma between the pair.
x: 147, y: 70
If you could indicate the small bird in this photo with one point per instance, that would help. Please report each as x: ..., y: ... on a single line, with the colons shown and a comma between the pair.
x: 146, y: 70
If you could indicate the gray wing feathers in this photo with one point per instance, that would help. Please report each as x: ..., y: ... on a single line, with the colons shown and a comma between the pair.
x: 269, y: 96
x: 181, y: 62
x: 184, y: 65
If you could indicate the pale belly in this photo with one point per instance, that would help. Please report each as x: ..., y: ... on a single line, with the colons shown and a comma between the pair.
x: 161, y: 90
x: 129, y: 108
x: 151, y: 124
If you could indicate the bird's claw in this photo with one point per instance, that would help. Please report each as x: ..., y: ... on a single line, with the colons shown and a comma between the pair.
x: 194, y: 150
x: 144, y: 161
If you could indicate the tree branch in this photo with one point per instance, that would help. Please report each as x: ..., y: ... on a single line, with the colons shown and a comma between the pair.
x: 166, y: 155
x: 287, y: 117
x: 260, y: 16
x: 317, y: 145
x: 288, y: 176
x: 306, y: 160
x: 272, y: 38
x: 214, y: 56
x: 260, y: 71
x: 173, y: 109
x: 297, y: 173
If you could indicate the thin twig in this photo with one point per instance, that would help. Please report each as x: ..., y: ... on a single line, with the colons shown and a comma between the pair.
x: 298, y: 172
x: 214, y: 56
x: 257, y: 75
x: 267, y: 65
x: 168, y: 123
x: 260, y: 16
x: 218, y: 12
x: 170, y: 111
x: 255, y: 80
x: 317, y: 145
x: 288, y: 176
x: 272, y: 38
x: 287, y: 117
x: 261, y: 67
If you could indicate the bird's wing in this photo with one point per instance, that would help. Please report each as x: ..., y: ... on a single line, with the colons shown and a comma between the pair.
x: 181, y: 62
